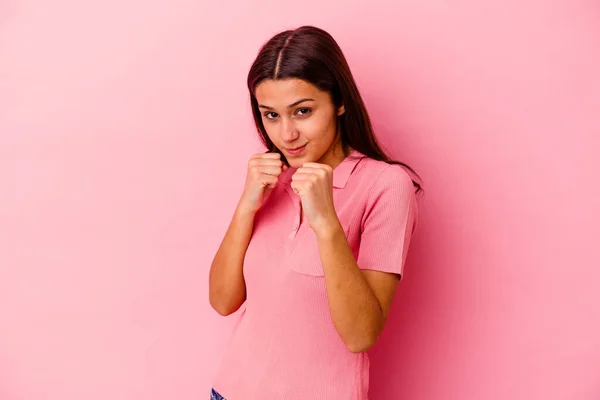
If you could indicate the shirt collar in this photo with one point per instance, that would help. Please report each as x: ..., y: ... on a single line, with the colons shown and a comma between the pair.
x: 342, y: 172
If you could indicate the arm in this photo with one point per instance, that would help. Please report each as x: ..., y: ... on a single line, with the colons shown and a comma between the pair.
x: 227, y: 288
x: 359, y: 300
x: 360, y: 292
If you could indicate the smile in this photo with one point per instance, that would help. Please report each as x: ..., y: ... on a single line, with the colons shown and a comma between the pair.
x: 296, y: 151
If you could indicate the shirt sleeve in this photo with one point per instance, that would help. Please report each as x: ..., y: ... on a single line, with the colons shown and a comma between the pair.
x: 388, y: 222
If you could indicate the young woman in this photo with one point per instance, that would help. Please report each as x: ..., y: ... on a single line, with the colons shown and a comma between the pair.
x: 318, y: 240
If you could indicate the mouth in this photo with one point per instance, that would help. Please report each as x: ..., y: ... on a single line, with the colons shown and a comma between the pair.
x: 295, y: 151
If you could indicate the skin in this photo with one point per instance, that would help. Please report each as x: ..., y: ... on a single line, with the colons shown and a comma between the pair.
x: 297, y: 113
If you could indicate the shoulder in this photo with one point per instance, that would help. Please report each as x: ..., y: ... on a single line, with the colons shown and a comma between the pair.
x: 391, y: 198
x: 383, y: 176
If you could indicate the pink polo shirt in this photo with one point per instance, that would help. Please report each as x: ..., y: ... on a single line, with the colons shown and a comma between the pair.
x: 284, y: 345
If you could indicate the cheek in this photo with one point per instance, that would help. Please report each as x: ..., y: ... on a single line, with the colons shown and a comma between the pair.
x: 271, y: 130
x: 317, y: 127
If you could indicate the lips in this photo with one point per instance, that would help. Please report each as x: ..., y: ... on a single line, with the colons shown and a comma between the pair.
x: 296, y: 150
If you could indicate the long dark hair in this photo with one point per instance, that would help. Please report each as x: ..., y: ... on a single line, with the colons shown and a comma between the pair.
x: 312, y: 55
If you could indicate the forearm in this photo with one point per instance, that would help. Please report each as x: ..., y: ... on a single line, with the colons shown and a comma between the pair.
x: 355, y: 310
x: 227, y: 288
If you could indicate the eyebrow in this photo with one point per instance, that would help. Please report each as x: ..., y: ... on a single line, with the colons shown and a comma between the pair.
x: 290, y: 106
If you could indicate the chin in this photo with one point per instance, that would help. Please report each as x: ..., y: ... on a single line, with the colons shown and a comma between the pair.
x: 296, y: 162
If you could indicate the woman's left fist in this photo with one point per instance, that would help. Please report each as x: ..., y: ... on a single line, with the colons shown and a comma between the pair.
x: 313, y: 183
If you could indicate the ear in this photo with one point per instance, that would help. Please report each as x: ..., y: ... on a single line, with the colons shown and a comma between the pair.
x: 341, y: 110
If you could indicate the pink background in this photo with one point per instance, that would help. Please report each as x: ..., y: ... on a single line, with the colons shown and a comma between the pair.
x: 125, y: 132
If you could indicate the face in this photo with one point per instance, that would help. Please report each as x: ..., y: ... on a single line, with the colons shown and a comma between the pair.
x: 300, y: 119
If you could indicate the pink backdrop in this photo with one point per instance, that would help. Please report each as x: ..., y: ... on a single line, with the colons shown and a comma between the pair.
x: 125, y: 132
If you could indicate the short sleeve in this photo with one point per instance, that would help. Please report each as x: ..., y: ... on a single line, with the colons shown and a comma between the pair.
x: 388, y: 222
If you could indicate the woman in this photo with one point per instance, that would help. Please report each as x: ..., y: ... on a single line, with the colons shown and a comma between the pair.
x: 319, y: 237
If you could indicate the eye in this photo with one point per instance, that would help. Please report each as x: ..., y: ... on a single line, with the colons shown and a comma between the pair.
x: 270, y: 115
x: 303, y: 111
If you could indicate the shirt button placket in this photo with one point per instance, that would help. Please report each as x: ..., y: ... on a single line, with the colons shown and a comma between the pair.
x: 294, y: 229
x: 296, y: 225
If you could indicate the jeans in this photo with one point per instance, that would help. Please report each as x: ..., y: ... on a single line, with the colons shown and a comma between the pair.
x: 215, y: 396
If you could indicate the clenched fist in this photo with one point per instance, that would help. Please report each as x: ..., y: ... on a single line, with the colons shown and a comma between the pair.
x: 262, y: 176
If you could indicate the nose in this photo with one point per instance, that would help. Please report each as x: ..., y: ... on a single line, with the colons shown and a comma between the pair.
x: 288, y: 130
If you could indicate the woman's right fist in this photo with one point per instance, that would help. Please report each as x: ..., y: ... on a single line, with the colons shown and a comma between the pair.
x: 262, y: 176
